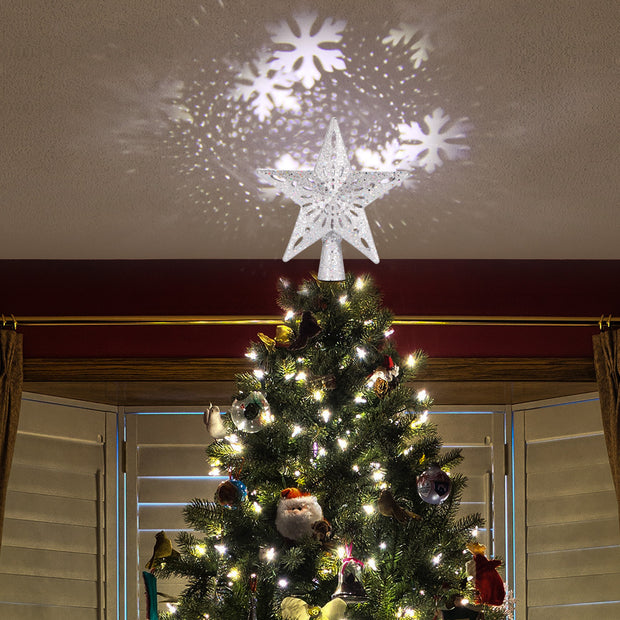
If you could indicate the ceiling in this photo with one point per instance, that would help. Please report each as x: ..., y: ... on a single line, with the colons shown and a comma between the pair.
x: 133, y: 129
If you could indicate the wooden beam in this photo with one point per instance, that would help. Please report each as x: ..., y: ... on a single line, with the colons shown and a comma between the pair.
x: 564, y: 370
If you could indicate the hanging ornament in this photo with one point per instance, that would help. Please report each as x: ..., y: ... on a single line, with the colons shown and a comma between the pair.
x: 308, y: 329
x: 324, y: 382
x: 383, y: 377
x: 332, y: 200
x: 161, y: 550
x: 296, y: 609
x: 213, y: 421
x: 434, y: 485
x: 381, y: 387
x: 283, y: 338
x: 389, y: 508
x: 488, y: 582
x: 251, y: 413
x: 252, y: 585
x: 461, y: 613
x: 231, y: 492
x: 150, y: 584
x: 297, y: 513
x: 350, y: 585
x: 322, y: 531
x: 390, y: 368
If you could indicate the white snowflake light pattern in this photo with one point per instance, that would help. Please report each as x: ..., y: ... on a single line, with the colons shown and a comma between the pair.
x: 265, y: 88
x: 332, y: 200
x: 300, y: 53
x: 423, y: 149
x: 274, y: 93
x: 386, y: 157
x: 405, y: 33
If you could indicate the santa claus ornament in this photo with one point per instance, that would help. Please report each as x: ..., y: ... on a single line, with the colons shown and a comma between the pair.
x: 297, y: 514
x: 489, y: 585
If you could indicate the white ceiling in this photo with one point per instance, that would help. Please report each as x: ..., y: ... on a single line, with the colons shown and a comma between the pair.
x: 133, y: 129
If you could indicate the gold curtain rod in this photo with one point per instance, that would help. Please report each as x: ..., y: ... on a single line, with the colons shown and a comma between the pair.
x: 86, y: 321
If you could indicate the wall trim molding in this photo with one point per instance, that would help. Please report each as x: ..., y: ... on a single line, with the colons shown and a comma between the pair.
x: 543, y: 369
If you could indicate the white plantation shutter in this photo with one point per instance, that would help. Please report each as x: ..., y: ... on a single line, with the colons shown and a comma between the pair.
x: 168, y: 459
x: 569, y: 523
x: 53, y: 560
x: 480, y: 436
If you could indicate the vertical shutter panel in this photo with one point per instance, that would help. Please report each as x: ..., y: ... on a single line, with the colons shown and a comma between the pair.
x: 572, y: 537
x: 481, y: 440
x: 54, y: 529
x: 171, y: 470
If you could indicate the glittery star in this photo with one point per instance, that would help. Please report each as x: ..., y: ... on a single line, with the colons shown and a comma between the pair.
x: 332, y: 200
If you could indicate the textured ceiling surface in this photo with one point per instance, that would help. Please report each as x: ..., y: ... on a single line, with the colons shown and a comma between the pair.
x: 134, y: 129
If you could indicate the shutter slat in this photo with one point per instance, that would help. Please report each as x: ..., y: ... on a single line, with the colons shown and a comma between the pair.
x: 42, y: 562
x: 176, y: 490
x: 46, y: 612
x: 51, y: 509
x: 580, y: 589
x: 565, y: 536
x: 567, y: 454
x: 563, y: 421
x: 553, y: 483
x: 172, y: 461
x: 600, y: 611
x: 572, y: 508
x: 65, y: 592
x: 31, y: 479
x: 172, y: 429
x: 574, y: 562
x: 57, y: 454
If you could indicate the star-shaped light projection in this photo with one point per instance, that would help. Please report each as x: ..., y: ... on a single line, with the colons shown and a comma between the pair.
x: 332, y: 200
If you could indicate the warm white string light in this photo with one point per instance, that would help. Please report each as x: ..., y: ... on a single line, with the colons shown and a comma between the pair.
x: 200, y: 550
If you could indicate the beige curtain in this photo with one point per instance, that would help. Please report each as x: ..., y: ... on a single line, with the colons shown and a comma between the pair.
x: 11, y: 379
x: 607, y: 366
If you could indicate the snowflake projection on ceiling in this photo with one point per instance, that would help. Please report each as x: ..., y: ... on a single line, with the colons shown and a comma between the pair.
x: 269, y: 104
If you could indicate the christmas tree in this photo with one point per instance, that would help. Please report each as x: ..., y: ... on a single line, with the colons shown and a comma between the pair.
x: 340, y: 500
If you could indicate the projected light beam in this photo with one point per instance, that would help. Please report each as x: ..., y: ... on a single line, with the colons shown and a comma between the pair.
x: 271, y: 102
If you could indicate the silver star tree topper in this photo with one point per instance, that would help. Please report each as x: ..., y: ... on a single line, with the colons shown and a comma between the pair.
x: 332, y: 200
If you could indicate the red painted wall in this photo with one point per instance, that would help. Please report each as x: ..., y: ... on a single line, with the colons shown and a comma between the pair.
x: 235, y: 287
